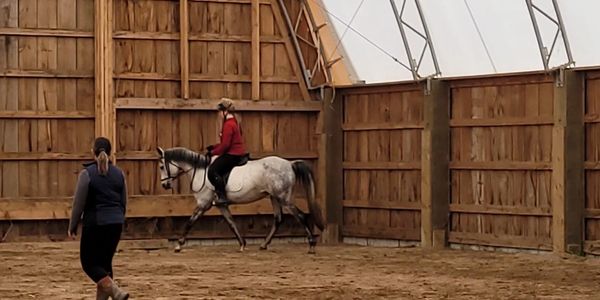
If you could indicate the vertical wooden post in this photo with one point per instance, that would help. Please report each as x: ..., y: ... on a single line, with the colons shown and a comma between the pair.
x: 105, y: 114
x: 184, y: 52
x: 255, y: 50
x: 99, y: 63
x: 435, y: 177
x: 110, y: 110
x: 331, y: 181
x: 568, y: 198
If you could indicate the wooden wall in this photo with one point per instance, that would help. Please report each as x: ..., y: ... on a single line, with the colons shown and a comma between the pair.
x: 592, y: 163
x: 47, y: 105
x: 145, y: 74
x: 382, y: 157
x: 501, y: 161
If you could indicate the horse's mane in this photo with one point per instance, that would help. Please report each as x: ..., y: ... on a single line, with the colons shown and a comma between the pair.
x: 185, y: 155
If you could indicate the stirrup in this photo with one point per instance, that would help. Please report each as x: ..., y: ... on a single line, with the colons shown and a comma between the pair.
x: 220, y: 202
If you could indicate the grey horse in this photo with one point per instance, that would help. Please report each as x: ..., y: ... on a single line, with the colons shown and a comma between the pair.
x: 269, y: 176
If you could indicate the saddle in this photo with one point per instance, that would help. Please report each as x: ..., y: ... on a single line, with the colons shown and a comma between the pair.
x: 242, y: 162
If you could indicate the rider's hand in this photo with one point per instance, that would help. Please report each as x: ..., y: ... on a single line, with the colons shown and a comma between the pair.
x: 210, y: 148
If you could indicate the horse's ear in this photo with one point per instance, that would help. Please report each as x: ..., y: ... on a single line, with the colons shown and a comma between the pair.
x: 160, y: 151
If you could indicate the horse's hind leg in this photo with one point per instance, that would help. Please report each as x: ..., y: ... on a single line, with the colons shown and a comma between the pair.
x: 276, y: 222
x: 198, y: 212
x: 302, y: 219
x: 229, y: 218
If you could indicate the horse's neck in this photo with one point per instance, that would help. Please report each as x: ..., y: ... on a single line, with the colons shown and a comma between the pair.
x: 197, y: 174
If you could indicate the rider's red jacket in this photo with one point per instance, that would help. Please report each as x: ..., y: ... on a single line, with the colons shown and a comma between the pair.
x: 231, y: 139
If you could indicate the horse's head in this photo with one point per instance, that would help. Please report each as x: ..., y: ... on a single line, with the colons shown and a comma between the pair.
x: 169, y: 170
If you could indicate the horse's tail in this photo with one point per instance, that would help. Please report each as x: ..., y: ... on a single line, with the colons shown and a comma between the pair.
x: 305, y: 175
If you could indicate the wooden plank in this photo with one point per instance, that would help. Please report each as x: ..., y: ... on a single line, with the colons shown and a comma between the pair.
x: 52, y: 208
x: 232, y: 1
x: 499, y: 122
x: 500, y: 165
x: 205, y: 104
x: 381, y: 204
x: 499, y: 80
x: 513, y: 241
x: 383, y: 233
x: 17, y: 156
x: 45, y: 32
x: 501, y: 210
x: 45, y: 74
x: 37, y: 114
x: 381, y: 126
x: 184, y: 54
x: 199, y: 77
x: 255, y: 20
x: 367, y: 165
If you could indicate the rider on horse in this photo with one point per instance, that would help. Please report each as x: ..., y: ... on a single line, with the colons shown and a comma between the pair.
x: 231, y: 150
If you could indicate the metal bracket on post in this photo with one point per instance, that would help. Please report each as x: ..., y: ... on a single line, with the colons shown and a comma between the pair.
x: 559, y: 80
x: 415, y: 64
x: 428, y: 86
x: 560, y: 25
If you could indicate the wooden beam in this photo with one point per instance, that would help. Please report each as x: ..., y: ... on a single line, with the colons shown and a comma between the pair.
x: 46, y: 208
x: 435, y: 145
x: 499, y: 80
x: 568, y: 198
x: 45, y: 32
x: 500, y: 210
x: 405, y: 234
x: 200, y: 37
x: 36, y: 114
x: 331, y: 176
x: 205, y: 104
x: 151, y: 155
x: 18, y: 156
x: 184, y: 54
x: 374, y: 165
x: 147, y: 76
x: 232, y: 1
x: 500, y: 165
x: 44, y: 74
x: 381, y: 204
x: 99, y: 63
x: 592, y: 165
x: 110, y: 117
x: 292, y: 55
x: 499, y: 122
x: 255, y: 20
x: 513, y: 241
x: 381, y: 126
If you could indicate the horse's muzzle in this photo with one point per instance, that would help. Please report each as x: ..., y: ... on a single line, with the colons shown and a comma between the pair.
x: 167, y: 185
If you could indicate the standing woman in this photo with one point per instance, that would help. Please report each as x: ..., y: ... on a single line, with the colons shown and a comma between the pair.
x: 101, y: 196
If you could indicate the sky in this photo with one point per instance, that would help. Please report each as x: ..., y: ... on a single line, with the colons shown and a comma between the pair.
x: 505, y: 27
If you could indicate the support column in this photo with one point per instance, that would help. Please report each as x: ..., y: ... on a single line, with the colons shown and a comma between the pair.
x: 435, y: 175
x: 331, y: 181
x: 568, y: 197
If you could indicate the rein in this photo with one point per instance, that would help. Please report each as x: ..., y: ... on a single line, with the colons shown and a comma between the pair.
x: 181, y: 171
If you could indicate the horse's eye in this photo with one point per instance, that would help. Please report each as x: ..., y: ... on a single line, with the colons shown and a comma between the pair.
x: 162, y: 168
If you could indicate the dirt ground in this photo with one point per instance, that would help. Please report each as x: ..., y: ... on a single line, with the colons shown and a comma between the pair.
x: 151, y: 270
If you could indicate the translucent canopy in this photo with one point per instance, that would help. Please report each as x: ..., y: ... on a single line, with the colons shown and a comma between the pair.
x: 503, y: 27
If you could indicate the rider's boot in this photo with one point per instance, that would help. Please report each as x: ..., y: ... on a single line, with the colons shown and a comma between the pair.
x: 221, y: 199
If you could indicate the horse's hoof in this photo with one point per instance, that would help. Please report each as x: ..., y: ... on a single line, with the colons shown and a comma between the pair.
x: 263, y: 248
x: 242, y: 249
x: 312, y: 251
x: 177, y: 249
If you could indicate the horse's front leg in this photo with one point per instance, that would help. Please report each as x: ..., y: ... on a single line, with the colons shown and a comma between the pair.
x: 198, y: 212
x: 229, y: 218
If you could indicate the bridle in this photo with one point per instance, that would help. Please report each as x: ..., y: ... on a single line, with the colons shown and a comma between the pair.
x: 181, y: 171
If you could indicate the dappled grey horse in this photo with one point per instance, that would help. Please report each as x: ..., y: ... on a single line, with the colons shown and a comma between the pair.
x: 270, y: 176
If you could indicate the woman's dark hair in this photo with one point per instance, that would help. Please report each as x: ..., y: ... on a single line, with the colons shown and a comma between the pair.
x: 102, y: 150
